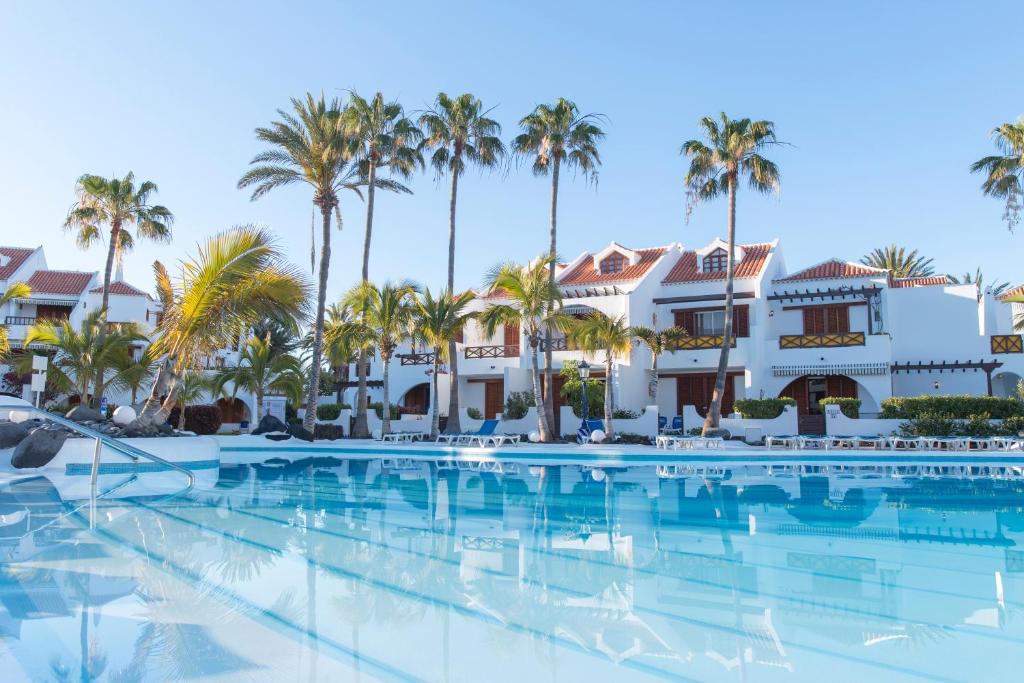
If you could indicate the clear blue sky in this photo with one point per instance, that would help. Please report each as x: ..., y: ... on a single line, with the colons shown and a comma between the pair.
x: 886, y: 104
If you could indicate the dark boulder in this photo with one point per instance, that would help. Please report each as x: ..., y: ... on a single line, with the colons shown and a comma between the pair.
x: 38, y: 448
x: 12, y: 433
x: 299, y: 432
x: 718, y: 434
x: 269, y: 423
x: 278, y: 436
x: 84, y: 414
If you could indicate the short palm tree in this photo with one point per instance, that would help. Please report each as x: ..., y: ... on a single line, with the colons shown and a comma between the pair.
x: 460, y: 133
x: 597, y: 332
x: 193, y: 386
x: 117, y: 204
x: 238, y: 279
x: 136, y: 372
x: 731, y: 150
x: 438, y: 321
x: 386, y: 313
x: 553, y: 135
x: 898, y: 261
x: 309, y: 146
x: 18, y: 290
x: 1004, y: 172
x: 261, y: 370
x: 344, y: 338
x: 977, y: 278
x: 535, y: 306
x: 658, y: 342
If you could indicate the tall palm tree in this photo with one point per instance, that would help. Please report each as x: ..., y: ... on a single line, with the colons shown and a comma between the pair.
x: 731, y: 150
x: 438, y: 321
x: 535, y: 306
x: 386, y: 313
x: 261, y: 370
x: 898, y: 261
x: 553, y: 135
x: 977, y: 279
x: 658, y: 342
x: 309, y: 146
x: 239, y: 278
x: 597, y: 332
x: 459, y: 132
x: 1004, y: 172
x: 115, y: 203
x: 18, y: 290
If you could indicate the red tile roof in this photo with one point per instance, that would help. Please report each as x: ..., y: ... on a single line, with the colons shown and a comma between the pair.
x: 754, y: 258
x: 585, y: 273
x: 68, y: 282
x: 901, y: 282
x: 119, y: 288
x: 833, y: 269
x: 17, y: 256
x: 1017, y: 294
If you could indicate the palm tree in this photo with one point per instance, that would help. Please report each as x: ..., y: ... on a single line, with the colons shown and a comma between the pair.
x: 658, y: 342
x: 386, y: 313
x: 438, y: 321
x: 18, y: 290
x: 310, y: 146
x: 554, y: 134
x: 899, y: 262
x: 596, y: 332
x: 344, y: 338
x: 192, y: 387
x: 134, y: 373
x: 1005, y: 171
x: 976, y: 279
x: 261, y: 370
x: 118, y: 204
x: 239, y: 278
x: 732, y: 150
x: 535, y: 308
x: 460, y: 133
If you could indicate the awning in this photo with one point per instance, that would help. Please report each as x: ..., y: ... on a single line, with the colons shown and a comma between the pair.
x: 850, y: 369
x: 578, y: 309
x: 40, y: 301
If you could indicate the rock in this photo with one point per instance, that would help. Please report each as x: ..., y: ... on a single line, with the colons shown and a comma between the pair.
x: 718, y: 433
x: 299, y: 432
x: 124, y: 415
x: 84, y: 414
x: 136, y: 429
x: 277, y: 436
x: 38, y: 448
x: 269, y: 423
x: 12, y: 433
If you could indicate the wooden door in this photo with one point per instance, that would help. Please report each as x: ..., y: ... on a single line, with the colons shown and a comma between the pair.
x: 417, y: 399
x: 840, y: 386
x: 494, y: 397
x: 696, y: 390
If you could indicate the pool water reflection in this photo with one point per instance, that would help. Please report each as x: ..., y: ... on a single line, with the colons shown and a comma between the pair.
x: 328, y: 569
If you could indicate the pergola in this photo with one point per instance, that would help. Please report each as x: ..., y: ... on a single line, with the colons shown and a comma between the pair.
x: 988, y: 367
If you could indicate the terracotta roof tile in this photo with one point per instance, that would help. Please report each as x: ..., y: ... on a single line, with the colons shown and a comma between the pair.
x: 754, y: 258
x: 67, y: 282
x: 833, y: 269
x: 903, y: 282
x: 17, y: 256
x: 585, y: 273
x: 120, y: 289
x: 1016, y: 294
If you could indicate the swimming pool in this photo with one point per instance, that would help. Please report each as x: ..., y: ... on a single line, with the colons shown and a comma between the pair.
x: 329, y: 568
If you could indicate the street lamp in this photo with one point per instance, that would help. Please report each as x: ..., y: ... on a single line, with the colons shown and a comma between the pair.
x: 584, y: 370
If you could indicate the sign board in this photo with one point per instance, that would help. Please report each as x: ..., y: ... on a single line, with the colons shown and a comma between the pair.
x: 40, y: 363
x: 273, y: 405
x: 39, y: 381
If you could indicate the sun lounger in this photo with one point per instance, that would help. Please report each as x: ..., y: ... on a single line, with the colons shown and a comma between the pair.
x: 907, y: 443
x: 403, y: 437
x: 942, y: 443
x: 781, y: 440
x: 811, y: 442
x: 676, y: 428
x: 870, y: 441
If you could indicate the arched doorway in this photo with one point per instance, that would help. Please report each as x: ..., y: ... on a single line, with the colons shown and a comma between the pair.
x: 233, y: 410
x: 417, y: 400
x: 807, y: 390
x: 1004, y: 384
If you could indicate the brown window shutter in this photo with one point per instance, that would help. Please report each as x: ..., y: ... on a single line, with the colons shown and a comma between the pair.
x: 459, y: 337
x: 741, y: 321
x: 814, y: 321
x: 512, y: 335
x: 685, y: 320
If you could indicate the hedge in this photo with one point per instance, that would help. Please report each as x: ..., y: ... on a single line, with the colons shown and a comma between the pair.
x: 329, y: 432
x: 329, y: 411
x: 762, y: 408
x: 956, y: 407
x: 198, y: 419
x: 937, y: 424
x: 849, y: 406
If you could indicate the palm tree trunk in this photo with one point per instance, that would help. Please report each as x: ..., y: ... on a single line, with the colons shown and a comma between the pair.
x: 542, y: 418
x: 609, y: 398
x: 433, y: 389
x: 453, y: 426
x: 259, y: 406
x: 549, y: 406
x: 653, y: 392
x: 313, y: 396
x: 386, y: 412
x: 715, y: 409
x: 181, y: 417
x: 369, y: 220
x: 115, y: 233
x: 361, y: 429
x: 163, y: 394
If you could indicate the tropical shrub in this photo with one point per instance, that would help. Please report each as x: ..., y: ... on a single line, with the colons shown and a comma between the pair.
x: 289, y: 412
x: 203, y: 419
x: 978, y: 425
x: 329, y: 432
x: 929, y: 424
x: 378, y: 407
x: 850, y: 407
x: 1012, y: 426
x: 572, y: 390
x: 516, y: 405
x: 330, y: 411
x: 762, y: 408
x: 474, y: 414
x: 630, y: 438
x: 624, y: 414
x: 956, y: 407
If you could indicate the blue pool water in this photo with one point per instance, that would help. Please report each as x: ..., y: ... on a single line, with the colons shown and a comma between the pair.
x: 331, y: 569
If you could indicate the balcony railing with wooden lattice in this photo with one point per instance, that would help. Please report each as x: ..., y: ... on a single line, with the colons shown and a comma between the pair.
x: 701, y: 342
x: 557, y: 344
x: 499, y: 351
x: 821, y: 341
x: 1007, y: 343
x: 416, y: 358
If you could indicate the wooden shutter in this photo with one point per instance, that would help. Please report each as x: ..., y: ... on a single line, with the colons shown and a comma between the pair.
x: 686, y: 320
x: 459, y: 336
x: 741, y: 321
x: 839, y: 386
x: 512, y: 335
x: 797, y: 390
x: 837, y: 319
x: 814, y: 320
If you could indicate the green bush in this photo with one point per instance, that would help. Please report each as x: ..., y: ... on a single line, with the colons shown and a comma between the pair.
x: 957, y: 407
x: 378, y: 407
x: 572, y: 390
x: 289, y: 412
x: 202, y: 420
x: 330, y: 411
x: 474, y: 414
x: 762, y: 408
x: 629, y: 438
x: 624, y: 414
x: 849, y: 406
x: 329, y: 432
x: 516, y: 405
x: 929, y: 424
x: 1013, y: 425
x: 977, y: 425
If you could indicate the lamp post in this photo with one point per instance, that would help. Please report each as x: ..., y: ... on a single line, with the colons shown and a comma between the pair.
x: 584, y: 370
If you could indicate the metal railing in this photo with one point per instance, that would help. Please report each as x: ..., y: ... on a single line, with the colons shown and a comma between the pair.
x: 19, y: 320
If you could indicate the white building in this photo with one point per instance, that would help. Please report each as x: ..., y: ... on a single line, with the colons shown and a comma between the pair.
x: 836, y: 328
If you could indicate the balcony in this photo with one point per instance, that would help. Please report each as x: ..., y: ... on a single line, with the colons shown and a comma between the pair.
x: 500, y: 351
x: 821, y: 341
x: 557, y: 344
x: 701, y: 342
x: 416, y: 358
x: 1007, y: 343
x: 19, y: 320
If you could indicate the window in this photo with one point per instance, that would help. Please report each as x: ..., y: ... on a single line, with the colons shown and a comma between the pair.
x: 826, y: 320
x: 613, y: 263
x: 715, y: 262
x: 709, y: 323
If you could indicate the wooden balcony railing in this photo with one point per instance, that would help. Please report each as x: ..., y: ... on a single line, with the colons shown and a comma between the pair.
x: 500, y: 351
x: 701, y: 342
x: 1007, y: 343
x: 416, y: 358
x: 19, y: 320
x: 557, y: 344
x: 818, y: 341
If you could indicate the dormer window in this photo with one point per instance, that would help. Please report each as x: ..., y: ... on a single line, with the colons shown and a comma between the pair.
x: 715, y: 262
x: 613, y: 263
